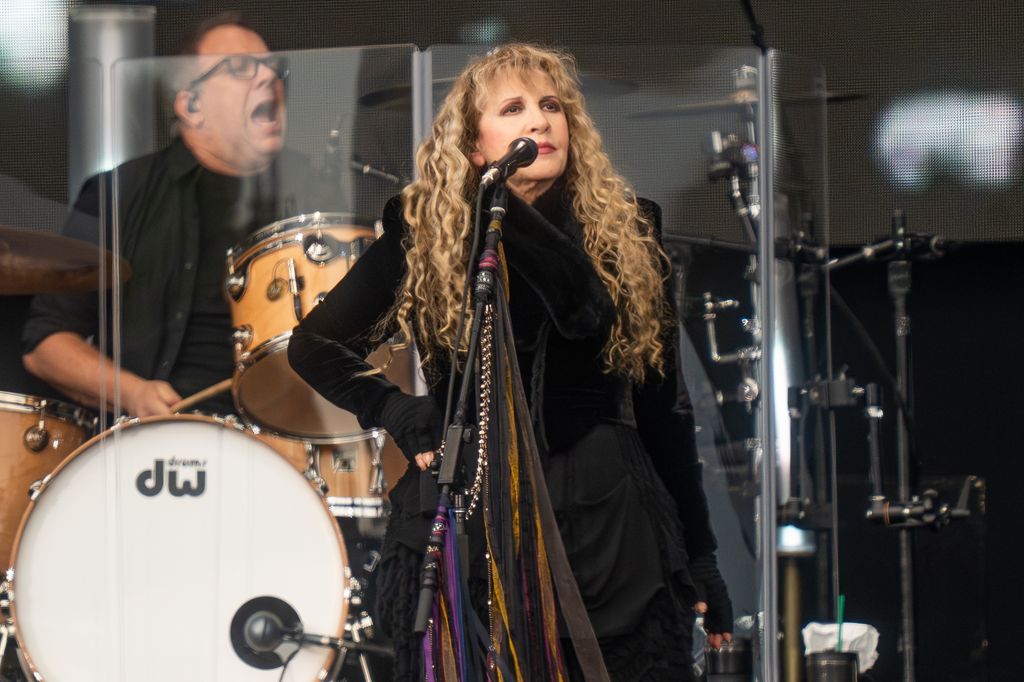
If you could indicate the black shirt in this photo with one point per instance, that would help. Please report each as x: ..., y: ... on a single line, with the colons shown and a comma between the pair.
x: 229, y: 209
x: 161, y: 236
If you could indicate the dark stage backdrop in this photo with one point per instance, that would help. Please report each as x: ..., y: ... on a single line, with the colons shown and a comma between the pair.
x: 926, y: 108
x: 925, y: 114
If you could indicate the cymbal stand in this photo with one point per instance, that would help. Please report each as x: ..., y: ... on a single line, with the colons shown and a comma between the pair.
x: 907, y: 512
x: 358, y: 625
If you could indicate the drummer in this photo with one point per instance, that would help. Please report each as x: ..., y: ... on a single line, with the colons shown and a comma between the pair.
x: 224, y: 175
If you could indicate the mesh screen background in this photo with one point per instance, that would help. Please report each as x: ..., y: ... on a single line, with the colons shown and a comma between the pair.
x: 878, y: 50
x: 33, y: 124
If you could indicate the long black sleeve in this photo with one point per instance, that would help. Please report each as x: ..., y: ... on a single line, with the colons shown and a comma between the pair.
x: 665, y: 420
x: 328, y: 347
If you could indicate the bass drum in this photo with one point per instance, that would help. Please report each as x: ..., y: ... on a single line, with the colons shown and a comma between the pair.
x: 142, y: 546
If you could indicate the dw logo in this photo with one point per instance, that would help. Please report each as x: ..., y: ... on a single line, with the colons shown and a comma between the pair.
x: 150, y: 482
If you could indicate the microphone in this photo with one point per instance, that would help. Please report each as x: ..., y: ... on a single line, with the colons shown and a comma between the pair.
x: 261, y: 632
x: 374, y: 172
x: 522, y: 152
x: 266, y: 631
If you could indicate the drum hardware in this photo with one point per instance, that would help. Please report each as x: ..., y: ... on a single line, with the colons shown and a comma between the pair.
x: 36, y: 487
x: 745, y: 394
x: 37, y: 436
x: 908, y: 511
x: 321, y: 248
x: 276, y: 288
x: 312, y: 471
x: 359, y: 626
x: 241, y: 337
x: 293, y: 288
x: 234, y: 284
x: 747, y: 391
x: 4, y: 637
x: 37, y: 262
x: 378, y: 484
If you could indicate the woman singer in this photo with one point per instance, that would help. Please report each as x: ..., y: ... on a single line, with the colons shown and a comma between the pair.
x: 595, y: 340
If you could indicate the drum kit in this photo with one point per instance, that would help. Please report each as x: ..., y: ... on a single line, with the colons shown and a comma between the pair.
x: 197, y: 546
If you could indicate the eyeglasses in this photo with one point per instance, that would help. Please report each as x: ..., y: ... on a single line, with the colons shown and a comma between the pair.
x: 245, y: 67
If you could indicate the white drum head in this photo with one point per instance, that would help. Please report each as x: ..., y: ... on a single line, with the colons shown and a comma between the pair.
x: 125, y: 574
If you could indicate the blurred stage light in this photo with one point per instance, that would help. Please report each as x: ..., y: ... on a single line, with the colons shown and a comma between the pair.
x: 492, y: 29
x: 33, y: 42
x: 972, y: 137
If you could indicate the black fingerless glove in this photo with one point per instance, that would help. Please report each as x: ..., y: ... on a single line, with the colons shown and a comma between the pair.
x: 414, y: 422
x: 712, y: 590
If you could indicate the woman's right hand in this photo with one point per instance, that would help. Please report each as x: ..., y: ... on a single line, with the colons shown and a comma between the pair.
x: 424, y: 460
x: 415, y: 423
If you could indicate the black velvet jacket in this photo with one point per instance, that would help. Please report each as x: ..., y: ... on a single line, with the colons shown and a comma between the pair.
x: 561, y: 315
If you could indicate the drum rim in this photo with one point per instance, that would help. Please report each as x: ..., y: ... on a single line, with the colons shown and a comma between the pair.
x: 277, y: 344
x: 30, y: 404
x: 241, y: 252
x: 11, y: 577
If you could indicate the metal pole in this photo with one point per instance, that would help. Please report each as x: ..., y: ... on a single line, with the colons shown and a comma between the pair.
x: 899, y: 287
x: 765, y: 300
x: 99, y: 36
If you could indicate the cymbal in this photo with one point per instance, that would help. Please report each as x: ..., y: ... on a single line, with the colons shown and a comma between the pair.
x: 743, y: 98
x: 33, y: 262
x: 400, y: 96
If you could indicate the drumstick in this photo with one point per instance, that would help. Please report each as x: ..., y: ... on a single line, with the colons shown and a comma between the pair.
x: 202, y: 395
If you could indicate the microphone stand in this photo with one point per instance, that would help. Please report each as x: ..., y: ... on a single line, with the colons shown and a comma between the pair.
x: 458, y: 433
x: 756, y: 30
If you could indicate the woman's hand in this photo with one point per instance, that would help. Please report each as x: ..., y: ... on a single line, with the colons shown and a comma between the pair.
x: 424, y: 459
x: 715, y: 639
x: 713, y: 598
x: 415, y: 423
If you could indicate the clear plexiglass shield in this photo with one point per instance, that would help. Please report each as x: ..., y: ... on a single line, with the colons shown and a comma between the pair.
x: 237, y: 190
x: 731, y: 144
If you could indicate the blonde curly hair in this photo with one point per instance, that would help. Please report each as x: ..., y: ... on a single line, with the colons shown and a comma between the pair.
x: 618, y: 239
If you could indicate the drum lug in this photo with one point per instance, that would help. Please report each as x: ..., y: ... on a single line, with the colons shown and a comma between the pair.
x: 313, y: 469
x: 242, y: 337
x: 234, y: 285
x: 377, y: 482
x: 321, y: 248
x: 36, y: 437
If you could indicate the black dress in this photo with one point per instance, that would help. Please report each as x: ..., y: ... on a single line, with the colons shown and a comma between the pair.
x: 606, y: 446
